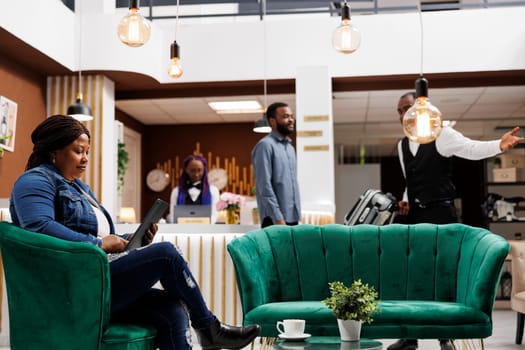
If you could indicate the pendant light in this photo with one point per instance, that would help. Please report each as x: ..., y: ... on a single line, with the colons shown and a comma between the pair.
x: 134, y: 30
x: 422, y: 122
x: 175, y: 70
x: 346, y: 38
x: 79, y: 110
x: 261, y: 125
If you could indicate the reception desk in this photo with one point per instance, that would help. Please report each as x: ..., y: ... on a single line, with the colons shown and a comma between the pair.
x: 204, y: 247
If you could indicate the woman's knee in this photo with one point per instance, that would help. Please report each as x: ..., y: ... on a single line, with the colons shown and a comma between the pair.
x: 166, y: 249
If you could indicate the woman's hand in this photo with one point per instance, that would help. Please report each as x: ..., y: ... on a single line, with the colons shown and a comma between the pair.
x: 148, y: 237
x: 113, y: 244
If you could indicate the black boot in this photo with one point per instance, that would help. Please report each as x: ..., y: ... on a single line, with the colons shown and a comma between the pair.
x: 445, y: 344
x: 404, y: 344
x: 222, y: 336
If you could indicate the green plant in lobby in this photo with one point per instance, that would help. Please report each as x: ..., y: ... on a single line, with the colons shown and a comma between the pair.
x: 351, y: 306
x: 122, y: 165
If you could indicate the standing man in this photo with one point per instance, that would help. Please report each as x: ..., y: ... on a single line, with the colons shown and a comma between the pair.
x: 429, y: 193
x: 275, y: 170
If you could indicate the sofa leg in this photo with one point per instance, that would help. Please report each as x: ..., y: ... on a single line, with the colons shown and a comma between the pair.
x: 519, y: 327
x: 467, y: 344
x: 267, y: 343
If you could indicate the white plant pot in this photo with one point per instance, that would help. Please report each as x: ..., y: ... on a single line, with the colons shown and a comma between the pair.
x: 350, y: 330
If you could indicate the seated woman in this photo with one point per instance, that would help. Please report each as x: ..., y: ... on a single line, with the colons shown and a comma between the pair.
x: 194, y: 188
x: 50, y: 198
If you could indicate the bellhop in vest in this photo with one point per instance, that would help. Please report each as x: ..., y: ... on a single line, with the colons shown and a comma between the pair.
x: 428, y: 175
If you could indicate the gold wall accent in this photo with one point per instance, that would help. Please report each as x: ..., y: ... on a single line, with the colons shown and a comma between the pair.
x: 309, y: 133
x: 316, y: 148
x: 316, y: 118
x: 240, y: 176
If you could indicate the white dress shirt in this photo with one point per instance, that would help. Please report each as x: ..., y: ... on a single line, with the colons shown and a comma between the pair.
x: 453, y: 143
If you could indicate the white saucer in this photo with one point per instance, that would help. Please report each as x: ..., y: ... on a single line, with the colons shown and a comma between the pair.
x: 294, y: 337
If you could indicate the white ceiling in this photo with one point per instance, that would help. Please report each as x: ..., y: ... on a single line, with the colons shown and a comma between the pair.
x: 360, y: 118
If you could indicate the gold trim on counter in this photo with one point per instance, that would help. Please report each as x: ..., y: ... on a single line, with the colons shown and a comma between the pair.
x: 223, y: 277
x: 212, y: 274
x: 316, y: 148
x: 200, y: 259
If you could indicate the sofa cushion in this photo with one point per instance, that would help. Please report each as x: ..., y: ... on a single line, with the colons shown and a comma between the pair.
x: 392, y: 317
x: 119, y: 336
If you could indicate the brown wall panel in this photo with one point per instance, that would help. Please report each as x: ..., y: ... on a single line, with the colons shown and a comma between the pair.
x: 27, y: 89
x: 161, y: 143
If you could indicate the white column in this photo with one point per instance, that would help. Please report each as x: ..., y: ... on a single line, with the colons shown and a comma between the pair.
x: 315, y: 144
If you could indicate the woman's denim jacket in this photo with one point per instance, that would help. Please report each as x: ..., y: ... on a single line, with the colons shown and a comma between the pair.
x: 43, y: 201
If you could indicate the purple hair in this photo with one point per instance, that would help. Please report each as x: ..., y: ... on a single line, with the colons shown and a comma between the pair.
x: 184, y: 181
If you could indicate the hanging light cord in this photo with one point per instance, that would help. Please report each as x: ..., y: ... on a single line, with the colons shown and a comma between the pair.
x: 177, y: 20
x: 264, y: 55
x: 421, y: 36
x: 80, y: 54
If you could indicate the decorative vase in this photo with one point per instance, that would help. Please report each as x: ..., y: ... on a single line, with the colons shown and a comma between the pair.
x: 350, y: 330
x: 232, y: 217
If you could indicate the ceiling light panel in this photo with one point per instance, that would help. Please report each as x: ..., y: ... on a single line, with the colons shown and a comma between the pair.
x: 236, y: 107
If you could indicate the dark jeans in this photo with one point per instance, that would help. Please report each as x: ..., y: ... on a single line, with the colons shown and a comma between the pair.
x: 133, y: 298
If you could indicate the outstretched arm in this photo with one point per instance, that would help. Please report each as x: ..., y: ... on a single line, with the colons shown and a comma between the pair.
x: 509, y: 140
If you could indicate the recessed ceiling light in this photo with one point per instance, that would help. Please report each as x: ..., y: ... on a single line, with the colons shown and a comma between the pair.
x: 236, y: 107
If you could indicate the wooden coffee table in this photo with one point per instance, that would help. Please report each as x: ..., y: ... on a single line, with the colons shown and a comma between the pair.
x: 327, y: 343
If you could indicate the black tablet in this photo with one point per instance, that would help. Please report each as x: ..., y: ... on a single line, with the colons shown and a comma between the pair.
x: 152, y: 217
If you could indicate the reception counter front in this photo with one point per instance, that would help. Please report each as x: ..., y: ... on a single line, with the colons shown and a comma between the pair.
x: 204, y: 247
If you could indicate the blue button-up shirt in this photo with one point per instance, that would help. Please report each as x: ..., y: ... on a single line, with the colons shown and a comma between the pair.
x: 275, y: 172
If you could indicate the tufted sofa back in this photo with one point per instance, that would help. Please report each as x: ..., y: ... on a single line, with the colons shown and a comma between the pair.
x: 403, y: 262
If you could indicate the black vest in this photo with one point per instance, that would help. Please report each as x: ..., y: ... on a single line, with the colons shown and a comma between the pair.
x: 428, y: 174
x: 188, y: 199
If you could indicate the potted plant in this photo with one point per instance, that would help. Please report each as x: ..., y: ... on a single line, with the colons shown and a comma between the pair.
x: 3, y: 140
x: 351, y: 306
x: 122, y: 165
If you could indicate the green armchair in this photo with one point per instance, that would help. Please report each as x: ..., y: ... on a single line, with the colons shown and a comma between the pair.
x: 434, y: 281
x: 58, y: 295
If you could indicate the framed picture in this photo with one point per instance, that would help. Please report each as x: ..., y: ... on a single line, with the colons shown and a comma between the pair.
x: 8, y: 111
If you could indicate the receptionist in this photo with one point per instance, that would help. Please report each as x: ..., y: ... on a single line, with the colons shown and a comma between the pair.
x: 194, y: 188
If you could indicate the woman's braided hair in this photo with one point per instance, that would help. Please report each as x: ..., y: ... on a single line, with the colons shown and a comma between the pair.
x: 54, y: 133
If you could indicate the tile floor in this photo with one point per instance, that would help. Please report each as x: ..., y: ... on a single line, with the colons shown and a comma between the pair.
x: 501, y: 339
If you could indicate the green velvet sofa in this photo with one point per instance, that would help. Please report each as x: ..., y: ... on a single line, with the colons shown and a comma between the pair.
x: 58, y: 296
x: 434, y: 281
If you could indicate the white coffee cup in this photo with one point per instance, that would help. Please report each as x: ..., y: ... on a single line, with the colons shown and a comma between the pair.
x: 291, y: 327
